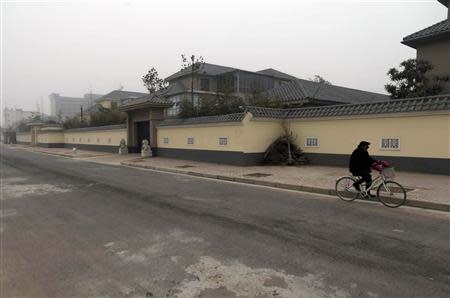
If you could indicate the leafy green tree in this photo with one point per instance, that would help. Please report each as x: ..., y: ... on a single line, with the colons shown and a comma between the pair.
x: 412, y: 79
x: 107, y: 118
x: 153, y: 82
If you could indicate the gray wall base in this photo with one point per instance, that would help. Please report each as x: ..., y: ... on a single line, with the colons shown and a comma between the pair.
x: 102, y: 148
x: 224, y: 157
x: 413, y: 164
x: 51, y: 145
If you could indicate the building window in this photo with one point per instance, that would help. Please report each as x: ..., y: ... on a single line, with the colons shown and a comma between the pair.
x: 204, y: 84
x: 175, y: 109
x: 166, y: 140
x: 109, y: 140
x: 98, y: 140
x: 390, y: 144
x: 73, y: 140
x: 190, y: 141
x: 311, y: 142
x: 88, y: 140
x: 79, y: 140
x: 223, y: 141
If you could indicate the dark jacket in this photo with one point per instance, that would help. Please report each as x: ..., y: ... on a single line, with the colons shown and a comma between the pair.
x: 360, y: 162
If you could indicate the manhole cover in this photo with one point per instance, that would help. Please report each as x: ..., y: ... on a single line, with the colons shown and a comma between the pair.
x: 257, y: 175
x: 184, y: 166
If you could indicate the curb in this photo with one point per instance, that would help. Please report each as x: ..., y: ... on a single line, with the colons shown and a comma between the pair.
x: 311, y: 189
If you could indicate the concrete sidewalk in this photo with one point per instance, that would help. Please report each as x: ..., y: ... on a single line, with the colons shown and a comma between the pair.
x: 426, y: 190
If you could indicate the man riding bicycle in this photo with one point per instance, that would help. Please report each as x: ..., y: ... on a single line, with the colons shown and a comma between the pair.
x: 360, y: 165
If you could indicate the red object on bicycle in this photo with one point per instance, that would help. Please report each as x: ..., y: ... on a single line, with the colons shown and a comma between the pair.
x: 379, y: 165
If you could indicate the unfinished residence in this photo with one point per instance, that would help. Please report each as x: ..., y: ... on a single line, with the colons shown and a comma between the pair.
x: 216, y: 80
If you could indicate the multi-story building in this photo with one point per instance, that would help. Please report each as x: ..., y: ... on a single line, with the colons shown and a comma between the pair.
x: 63, y: 107
x: 433, y: 45
x: 216, y: 80
x: 12, y: 117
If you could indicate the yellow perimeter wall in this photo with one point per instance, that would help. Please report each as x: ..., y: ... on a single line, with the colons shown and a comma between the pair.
x: 246, y: 136
x: 56, y: 137
x: 110, y: 137
x: 23, y: 137
x: 420, y: 136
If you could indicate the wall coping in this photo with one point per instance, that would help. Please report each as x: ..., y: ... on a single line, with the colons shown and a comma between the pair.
x: 106, y: 127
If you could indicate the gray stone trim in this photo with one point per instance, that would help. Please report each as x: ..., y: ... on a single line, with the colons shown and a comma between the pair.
x: 224, y: 157
x: 51, y: 145
x: 237, y: 117
x: 102, y: 148
x: 106, y: 127
x: 429, y: 104
x: 439, y: 166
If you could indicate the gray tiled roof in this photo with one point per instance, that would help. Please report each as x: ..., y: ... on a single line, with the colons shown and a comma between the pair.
x: 303, y: 91
x: 276, y: 73
x: 270, y: 113
x: 437, y: 31
x: 106, y: 127
x: 421, y: 104
x: 237, y: 117
x: 157, y: 99
x: 118, y: 95
x: 206, y: 68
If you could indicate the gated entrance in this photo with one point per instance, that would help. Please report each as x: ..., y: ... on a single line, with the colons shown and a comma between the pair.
x: 142, y: 132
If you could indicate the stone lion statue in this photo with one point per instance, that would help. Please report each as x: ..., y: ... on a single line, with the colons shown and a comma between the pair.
x: 123, y: 148
x: 146, y: 151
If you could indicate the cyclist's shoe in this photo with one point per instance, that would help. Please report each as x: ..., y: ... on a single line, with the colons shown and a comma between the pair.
x: 371, y: 195
x: 356, y: 187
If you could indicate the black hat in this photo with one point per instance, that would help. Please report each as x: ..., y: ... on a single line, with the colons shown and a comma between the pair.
x: 363, y: 143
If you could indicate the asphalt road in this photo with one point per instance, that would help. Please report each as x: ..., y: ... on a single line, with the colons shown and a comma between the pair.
x: 78, y: 229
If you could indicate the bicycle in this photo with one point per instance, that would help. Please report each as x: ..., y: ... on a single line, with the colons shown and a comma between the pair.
x: 390, y: 193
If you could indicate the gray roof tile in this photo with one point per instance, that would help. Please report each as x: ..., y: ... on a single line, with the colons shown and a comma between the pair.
x: 421, y: 104
x: 118, y: 95
x: 206, y: 68
x: 157, y: 99
x: 276, y: 73
x: 440, y: 30
x: 106, y: 127
x: 237, y: 117
x: 303, y: 91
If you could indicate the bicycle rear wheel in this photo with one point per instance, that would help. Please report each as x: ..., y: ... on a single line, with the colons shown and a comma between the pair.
x: 344, y: 189
x: 391, y: 194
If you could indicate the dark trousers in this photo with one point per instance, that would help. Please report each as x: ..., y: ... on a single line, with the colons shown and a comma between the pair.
x: 365, y: 177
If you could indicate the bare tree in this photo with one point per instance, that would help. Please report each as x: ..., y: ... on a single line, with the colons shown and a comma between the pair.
x: 193, y: 64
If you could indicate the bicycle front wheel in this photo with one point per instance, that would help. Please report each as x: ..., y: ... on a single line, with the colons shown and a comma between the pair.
x: 344, y: 189
x: 391, y: 194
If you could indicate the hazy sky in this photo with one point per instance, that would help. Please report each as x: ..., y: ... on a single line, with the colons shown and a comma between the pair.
x: 68, y: 47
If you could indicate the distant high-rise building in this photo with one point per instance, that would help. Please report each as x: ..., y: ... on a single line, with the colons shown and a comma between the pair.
x: 12, y: 117
x: 63, y: 107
